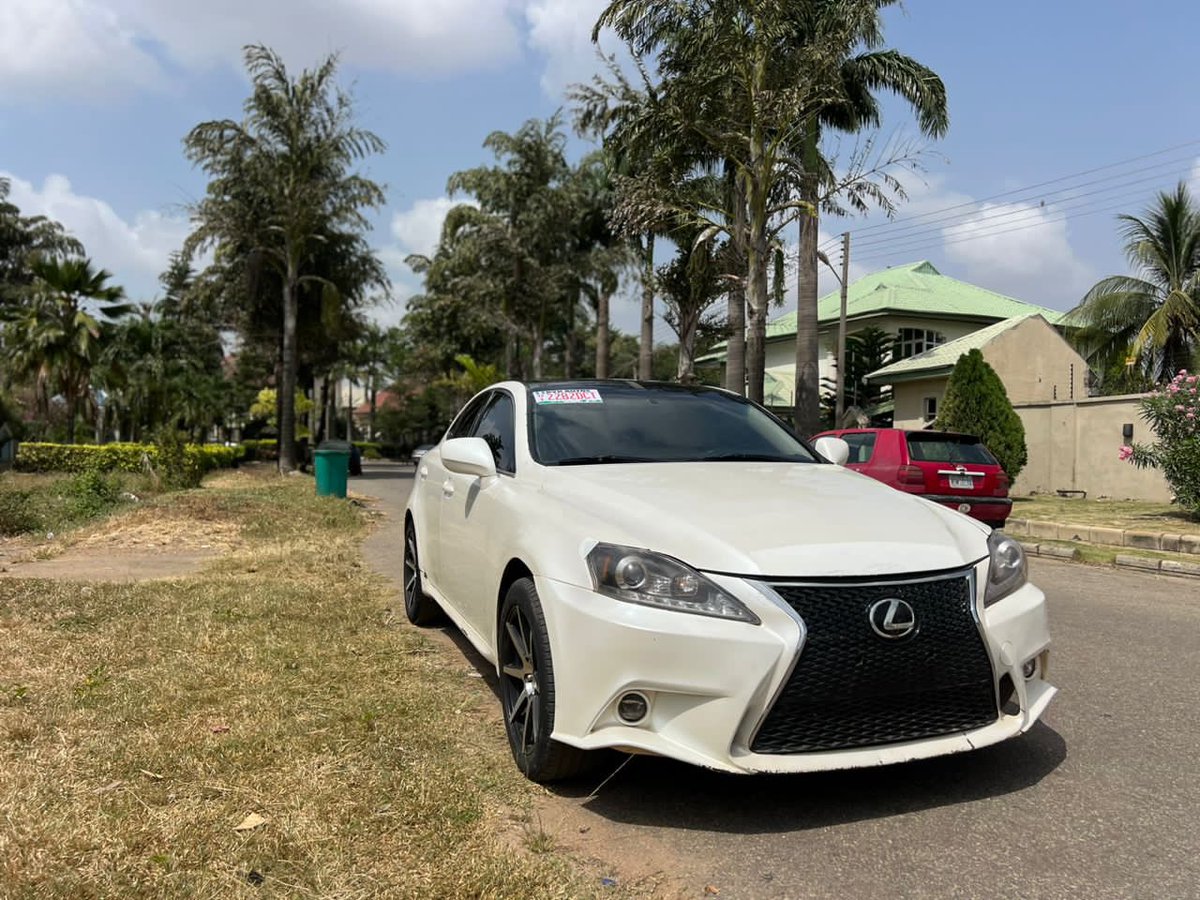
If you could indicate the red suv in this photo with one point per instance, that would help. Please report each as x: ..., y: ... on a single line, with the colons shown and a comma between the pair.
x: 955, y: 470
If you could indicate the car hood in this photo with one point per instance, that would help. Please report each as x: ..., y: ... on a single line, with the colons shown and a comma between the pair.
x: 774, y: 519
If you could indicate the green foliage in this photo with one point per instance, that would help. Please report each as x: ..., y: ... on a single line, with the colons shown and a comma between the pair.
x: 19, y: 512
x: 977, y: 403
x: 134, y: 458
x: 1174, y: 415
x: 1150, y: 318
x: 866, y: 351
x: 22, y: 238
x: 92, y: 493
x: 175, y: 468
x: 264, y: 408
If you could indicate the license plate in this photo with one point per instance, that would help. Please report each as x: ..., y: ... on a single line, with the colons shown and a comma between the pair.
x: 965, y: 482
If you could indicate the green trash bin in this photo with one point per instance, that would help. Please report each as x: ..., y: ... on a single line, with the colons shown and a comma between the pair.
x: 331, y: 461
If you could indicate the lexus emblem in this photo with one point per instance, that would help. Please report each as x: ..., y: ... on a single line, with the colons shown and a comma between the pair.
x: 892, y: 618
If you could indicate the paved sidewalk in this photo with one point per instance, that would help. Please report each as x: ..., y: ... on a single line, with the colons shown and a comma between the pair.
x: 1185, y: 548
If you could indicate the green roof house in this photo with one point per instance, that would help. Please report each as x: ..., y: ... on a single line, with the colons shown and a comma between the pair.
x: 923, y: 308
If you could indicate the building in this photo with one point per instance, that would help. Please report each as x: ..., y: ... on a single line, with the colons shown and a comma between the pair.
x: 916, y: 303
x: 1033, y: 361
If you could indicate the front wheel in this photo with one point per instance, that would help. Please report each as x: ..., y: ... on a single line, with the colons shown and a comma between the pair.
x: 527, y: 689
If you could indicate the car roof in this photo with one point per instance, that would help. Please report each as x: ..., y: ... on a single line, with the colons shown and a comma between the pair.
x: 625, y: 384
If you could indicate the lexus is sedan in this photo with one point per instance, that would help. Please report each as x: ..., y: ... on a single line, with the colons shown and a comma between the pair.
x: 667, y: 569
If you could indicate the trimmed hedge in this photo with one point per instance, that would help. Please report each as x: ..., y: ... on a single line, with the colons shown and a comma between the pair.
x: 35, y: 457
x: 268, y: 448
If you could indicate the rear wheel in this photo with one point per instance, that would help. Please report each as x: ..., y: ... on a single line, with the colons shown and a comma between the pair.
x: 527, y: 689
x: 419, y: 608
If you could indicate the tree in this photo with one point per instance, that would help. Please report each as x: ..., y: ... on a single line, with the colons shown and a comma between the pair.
x: 691, y: 283
x: 866, y: 351
x: 1150, y: 319
x: 22, y: 238
x: 854, y: 69
x: 977, y: 403
x: 280, y: 186
x: 56, y: 338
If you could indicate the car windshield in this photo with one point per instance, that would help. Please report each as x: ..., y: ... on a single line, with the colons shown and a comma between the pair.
x: 949, y: 448
x: 603, y: 422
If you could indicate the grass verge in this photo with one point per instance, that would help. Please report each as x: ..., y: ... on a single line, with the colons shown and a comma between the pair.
x: 52, y: 503
x: 141, y: 724
x: 1132, y: 515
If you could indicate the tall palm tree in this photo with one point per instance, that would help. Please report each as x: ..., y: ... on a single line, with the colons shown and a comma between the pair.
x: 1153, y: 315
x: 24, y: 237
x: 856, y: 69
x: 57, y: 334
x: 280, y: 184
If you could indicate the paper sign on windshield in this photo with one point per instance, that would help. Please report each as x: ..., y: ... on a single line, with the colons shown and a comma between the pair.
x: 578, y: 395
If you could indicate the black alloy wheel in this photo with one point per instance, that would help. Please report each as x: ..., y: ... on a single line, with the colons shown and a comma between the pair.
x: 527, y: 689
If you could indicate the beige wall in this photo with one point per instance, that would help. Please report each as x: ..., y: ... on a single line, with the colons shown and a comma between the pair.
x: 1036, y: 364
x: 910, y: 400
x: 1073, y: 446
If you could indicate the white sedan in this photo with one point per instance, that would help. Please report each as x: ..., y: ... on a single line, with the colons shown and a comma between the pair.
x: 666, y: 569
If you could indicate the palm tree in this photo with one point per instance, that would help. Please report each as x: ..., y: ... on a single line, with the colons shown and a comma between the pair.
x: 852, y: 33
x: 280, y: 185
x: 56, y: 339
x: 24, y: 237
x: 1153, y: 315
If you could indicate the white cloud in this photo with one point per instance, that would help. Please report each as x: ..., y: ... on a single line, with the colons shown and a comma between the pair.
x: 135, y: 252
x: 418, y: 228
x: 80, y: 46
x: 1019, y: 249
x: 561, y: 31
x: 86, y: 46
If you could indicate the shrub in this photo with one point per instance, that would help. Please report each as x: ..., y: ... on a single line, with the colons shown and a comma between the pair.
x: 1173, y: 412
x: 18, y: 512
x: 136, y: 458
x: 91, y: 493
x: 976, y: 403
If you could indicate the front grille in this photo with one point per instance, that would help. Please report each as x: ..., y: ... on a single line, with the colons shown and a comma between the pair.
x: 853, y: 688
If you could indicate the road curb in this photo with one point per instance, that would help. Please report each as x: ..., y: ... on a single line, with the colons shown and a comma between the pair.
x: 1105, y: 537
x: 1175, y: 567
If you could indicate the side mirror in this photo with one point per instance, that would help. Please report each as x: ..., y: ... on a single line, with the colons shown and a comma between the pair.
x: 468, y: 456
x: 833, y: 449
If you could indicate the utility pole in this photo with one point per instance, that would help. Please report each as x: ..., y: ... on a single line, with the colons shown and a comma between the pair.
x: 839, y: 396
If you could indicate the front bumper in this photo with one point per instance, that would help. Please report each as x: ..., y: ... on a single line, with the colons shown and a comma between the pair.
x: 711, y: 682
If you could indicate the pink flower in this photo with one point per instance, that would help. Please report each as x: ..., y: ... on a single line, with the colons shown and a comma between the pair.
x: 1124, y: 453
x: 1178, y: 407
x: 1173, y: 388
x: 1191, y: 415
x: 1191, y: 379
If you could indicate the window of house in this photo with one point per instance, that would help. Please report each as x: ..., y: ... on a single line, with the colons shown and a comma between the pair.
x: 917, y: 340
x: 930, y: 404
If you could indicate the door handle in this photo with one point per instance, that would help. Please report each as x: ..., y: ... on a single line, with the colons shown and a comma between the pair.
x: 448, y: 488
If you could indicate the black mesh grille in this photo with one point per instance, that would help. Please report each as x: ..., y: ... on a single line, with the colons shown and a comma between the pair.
x: 853, y: 688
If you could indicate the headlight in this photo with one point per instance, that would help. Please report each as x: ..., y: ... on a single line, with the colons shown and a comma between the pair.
x: 1007, y: 570
x: 651, y: 579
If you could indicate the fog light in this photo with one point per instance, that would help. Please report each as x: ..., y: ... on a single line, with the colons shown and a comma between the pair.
x: 1030, y: 668
x: 632, y: 708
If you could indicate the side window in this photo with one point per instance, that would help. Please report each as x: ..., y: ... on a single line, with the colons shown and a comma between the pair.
x: 862, y: 445
x: 497, y: 426
x: 930, y: 405
x: 466, y: 419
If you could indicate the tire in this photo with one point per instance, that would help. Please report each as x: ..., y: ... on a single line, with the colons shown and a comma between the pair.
x: 419, y: 608
x: 527, y: 690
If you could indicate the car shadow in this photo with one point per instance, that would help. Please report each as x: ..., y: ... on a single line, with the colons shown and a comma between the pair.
x: 663, y: 793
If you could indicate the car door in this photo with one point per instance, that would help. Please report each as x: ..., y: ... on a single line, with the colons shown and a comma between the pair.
x: 474, y: 516
x: 430, y: 477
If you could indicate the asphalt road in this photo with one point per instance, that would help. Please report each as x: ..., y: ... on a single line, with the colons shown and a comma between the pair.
x: 1101, y: 799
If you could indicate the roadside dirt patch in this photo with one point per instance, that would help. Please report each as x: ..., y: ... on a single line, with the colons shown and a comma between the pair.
x: 94, y: 565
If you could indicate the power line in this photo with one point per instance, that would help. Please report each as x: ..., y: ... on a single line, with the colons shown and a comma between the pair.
x: 998, y: 216
x: 1040, y: 184
x: 950, y: 221
x: 932, y: 242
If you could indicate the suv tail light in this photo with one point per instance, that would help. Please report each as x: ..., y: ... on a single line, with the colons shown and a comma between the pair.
x: 1001, y: 484
x: 910, y: 475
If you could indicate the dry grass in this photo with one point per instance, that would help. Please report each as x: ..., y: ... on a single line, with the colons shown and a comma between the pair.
x: 140, y: 723
x: 1135, y: 515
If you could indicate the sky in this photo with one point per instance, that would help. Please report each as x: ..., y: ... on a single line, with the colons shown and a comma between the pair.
x: 96, y: 96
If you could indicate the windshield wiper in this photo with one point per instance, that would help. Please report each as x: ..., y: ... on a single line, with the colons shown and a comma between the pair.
x: 601, y: 460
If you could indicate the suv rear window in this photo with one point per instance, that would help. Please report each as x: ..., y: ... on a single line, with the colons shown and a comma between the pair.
x: 926, y: 446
